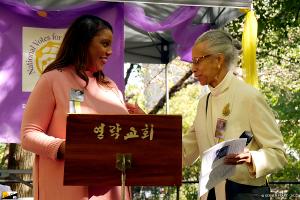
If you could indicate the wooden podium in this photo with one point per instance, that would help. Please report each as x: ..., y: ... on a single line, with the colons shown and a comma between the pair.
x: 149, y: 145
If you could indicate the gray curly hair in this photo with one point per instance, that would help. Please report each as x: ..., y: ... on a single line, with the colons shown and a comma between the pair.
x: 220, y: 41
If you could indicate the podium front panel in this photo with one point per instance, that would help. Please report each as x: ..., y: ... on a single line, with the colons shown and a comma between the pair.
x: 153, y: 141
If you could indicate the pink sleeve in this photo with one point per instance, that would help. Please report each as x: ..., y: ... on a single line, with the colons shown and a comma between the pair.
x: 36, y: 119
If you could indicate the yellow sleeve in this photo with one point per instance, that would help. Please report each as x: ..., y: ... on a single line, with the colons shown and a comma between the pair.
x: 190, y: 151
x: 271, y: 155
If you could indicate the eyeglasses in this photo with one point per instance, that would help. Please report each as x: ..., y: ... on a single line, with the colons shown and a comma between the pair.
x: 197, y: 60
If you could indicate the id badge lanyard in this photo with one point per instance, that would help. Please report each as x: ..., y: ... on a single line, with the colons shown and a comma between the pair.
x: 76, y: 97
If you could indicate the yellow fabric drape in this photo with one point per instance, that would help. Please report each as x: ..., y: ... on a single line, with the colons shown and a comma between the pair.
x: 249, y: 41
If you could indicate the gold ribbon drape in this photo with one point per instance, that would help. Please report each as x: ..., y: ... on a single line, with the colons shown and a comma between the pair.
x: 249, y: 41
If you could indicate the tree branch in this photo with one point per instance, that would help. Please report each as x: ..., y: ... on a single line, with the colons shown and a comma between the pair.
x: 149, y: 82
x: 178, y: 86
x: 128, y: 72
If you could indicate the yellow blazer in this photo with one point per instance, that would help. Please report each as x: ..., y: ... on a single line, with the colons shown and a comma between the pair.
x: 248, y: 111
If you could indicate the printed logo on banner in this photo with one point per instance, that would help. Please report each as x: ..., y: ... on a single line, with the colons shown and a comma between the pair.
x: 40, y: 46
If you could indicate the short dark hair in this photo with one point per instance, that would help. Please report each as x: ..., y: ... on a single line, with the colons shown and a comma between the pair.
x: 74, y: 47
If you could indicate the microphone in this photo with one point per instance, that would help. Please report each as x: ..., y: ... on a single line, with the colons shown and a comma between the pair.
x: 248, y: 135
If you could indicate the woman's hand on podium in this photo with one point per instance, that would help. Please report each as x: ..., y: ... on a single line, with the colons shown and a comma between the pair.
x: 134, y: 109
x: 61, y: 151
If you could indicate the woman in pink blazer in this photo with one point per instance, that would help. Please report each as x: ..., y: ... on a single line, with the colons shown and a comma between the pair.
x: 73, y: 83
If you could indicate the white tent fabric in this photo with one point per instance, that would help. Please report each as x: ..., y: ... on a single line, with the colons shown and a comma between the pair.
x: 57, y: 4
x: 207, y: 3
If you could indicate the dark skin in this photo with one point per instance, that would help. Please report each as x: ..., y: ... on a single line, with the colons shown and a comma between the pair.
x: 134, y: 109
x: 237, y: 159
x: 100, y: 48
x: 211, y: 70
x: 61, y: 151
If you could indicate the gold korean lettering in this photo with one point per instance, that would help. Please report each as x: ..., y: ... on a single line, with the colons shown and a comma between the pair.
x: 99, y: 130
x: 114, y: 130
x: 146, y: 132
x: 131, y: 134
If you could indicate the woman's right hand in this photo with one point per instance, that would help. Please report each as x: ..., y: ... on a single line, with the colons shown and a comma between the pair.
x: 237, y: 159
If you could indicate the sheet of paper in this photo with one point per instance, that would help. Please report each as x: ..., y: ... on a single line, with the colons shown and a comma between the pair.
x: 213, y: 169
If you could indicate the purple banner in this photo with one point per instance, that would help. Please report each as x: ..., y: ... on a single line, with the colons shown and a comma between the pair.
x: 12, y: 20
x: 184, y: 32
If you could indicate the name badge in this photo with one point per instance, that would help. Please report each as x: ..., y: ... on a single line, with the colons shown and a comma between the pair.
x: 76, y: 95
x: 220, y: 128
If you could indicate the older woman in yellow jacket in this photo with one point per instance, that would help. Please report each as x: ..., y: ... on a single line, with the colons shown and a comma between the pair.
x: 232, y: 107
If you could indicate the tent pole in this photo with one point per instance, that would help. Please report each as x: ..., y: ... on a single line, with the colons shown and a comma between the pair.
x: 167, y: 89
x: 164, y: 51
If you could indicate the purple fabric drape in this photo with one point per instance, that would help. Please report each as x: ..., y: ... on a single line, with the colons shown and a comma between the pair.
x: 184, y: 33
x: 14, y: 16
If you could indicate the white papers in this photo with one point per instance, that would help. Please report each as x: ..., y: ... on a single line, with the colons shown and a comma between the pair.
x: 213, y: 169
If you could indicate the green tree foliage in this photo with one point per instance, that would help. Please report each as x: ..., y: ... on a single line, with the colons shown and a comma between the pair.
x: 3, y: 160
x: 278, y: 62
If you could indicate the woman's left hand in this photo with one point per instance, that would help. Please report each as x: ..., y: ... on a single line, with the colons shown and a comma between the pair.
x: 61, y: 151
x: 236, y: 159
x: 134, y: 109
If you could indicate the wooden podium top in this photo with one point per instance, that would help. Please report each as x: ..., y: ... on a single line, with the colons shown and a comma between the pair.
x: 153, y: 141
